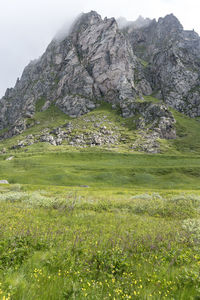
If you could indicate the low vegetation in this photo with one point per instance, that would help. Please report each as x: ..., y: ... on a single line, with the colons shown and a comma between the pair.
x: 100, y: 223
x: 76, y: 247
x: 186, y: 143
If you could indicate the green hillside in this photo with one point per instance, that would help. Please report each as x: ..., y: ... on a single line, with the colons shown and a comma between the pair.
x: 187, y: 141
x: 100, y: 222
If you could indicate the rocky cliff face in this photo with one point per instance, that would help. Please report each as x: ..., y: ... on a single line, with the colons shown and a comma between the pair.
x: 95, y: 61
x: 172, y: 58
x: 98, y: 61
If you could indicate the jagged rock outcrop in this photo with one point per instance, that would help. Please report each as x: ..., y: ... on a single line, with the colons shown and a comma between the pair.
x: 155, y: 116
x: 18, y: 127
x: 100, y: 136
x: 95, y: 61
x: 172, y: 58
x: 99, y: 60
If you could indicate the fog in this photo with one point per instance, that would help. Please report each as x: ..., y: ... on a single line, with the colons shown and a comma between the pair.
x: 27, y: 26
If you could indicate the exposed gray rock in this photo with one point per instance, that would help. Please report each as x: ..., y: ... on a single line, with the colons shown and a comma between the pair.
x: 48, y: 138
x: 46, y: 105
x: 152, y: 115
x: 17, y: 128
x: 10, y: 158
x: 75, y: 106
x: 28, y: 141
x: 4, y: 182
x: 144, y: 87
x: 147, y: 141
x: 95, y: 60
x: 172, y: 57
x: 98, y: 61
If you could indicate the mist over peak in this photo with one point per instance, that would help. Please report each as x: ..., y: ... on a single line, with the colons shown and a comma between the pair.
x: 32, y: 25
x: 139, y: 22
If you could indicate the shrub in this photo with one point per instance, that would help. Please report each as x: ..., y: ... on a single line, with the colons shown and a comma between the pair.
x: 181, y: 207
x: 191, y: 230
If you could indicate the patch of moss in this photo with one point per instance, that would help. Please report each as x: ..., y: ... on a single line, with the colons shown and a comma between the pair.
x: 144, y: 63
x: 39, y: 104
x: 148, y: 99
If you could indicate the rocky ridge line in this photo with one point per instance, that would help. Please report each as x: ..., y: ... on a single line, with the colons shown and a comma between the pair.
x: 98, y: 61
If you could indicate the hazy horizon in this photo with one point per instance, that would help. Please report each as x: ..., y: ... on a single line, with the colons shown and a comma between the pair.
x: 27, y: 27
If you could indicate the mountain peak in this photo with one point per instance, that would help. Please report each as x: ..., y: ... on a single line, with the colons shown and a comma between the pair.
x: 96, y: 60
x: 170, y: 21
x: 89, y: 18
x: 82, y: 20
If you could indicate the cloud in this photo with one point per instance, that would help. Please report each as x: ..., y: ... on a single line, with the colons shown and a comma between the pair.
x: 27, y: 27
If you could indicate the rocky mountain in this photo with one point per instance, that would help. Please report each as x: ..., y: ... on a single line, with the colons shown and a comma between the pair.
x: 99, y: 60
x: 173, y: 57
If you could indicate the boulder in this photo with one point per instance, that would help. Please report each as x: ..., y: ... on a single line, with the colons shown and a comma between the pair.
x: 4, y: 182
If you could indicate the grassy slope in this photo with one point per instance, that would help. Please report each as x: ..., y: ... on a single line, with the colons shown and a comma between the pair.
x: 188, y: 131
x: 187, y: 142
x: 103, y: 170
x: 101, y: 242
x: 101, y: 167
x: 53, y: 118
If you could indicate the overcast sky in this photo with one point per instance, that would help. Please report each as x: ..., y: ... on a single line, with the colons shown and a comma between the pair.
x: 27, y: 26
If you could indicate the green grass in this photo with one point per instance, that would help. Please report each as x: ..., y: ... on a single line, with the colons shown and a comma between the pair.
x: 39, y: 104
x: 144, y: 63
x: 188, y: 131
x: 143, y: 247
x: 187, y: 141
x: 151, y: 99
x: 2, y: 131
x: 148, y: 99
x: 102, y: 222
x: 97, y: 169
x: 53, y: 117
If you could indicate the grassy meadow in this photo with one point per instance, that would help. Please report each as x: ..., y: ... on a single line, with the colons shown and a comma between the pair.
x: 103, y: 170
x: 73, y: 246
x: 100, y: 223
